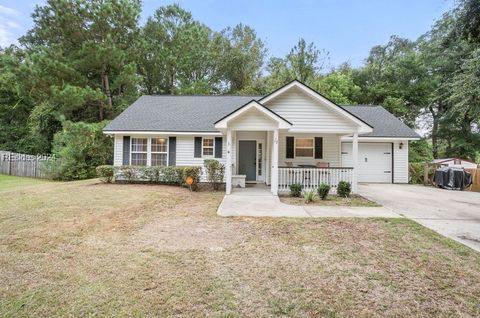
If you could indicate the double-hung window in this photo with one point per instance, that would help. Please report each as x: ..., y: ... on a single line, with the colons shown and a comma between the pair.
x: 139, y: 151
x: 159, y: 152
x: 207, y: 147
x: 304, y: 147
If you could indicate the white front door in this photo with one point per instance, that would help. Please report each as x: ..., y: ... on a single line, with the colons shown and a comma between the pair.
x: 374, y: 161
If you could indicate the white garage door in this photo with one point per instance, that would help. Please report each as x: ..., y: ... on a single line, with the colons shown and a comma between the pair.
x: 374, y: 161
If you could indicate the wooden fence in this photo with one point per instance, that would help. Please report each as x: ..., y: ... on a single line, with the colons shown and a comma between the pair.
x: 23, y: 165
x: 476, y: 180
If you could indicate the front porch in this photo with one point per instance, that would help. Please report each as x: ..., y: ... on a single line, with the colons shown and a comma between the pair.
x: 265, y: 148
x: 261, y: 158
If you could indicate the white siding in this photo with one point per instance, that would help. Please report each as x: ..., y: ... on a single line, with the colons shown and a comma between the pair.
x: 185, y: 152
x: 118, y: 150
x: 252, y: 119
x: 331, y: 150
x: 400, y: 162
x: 308, y: 114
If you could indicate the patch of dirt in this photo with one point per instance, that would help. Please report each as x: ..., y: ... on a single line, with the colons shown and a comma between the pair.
x: 190, y: 233
x: 332, y: 200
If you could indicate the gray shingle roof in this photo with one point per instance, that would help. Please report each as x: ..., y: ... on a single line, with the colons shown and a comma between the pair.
x: 176, y: 113
x: 384, y: 123
x: 199, y: 113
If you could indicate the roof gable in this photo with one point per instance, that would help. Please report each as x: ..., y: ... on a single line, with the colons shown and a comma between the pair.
x: 363, y: 126
x: 260, y: 111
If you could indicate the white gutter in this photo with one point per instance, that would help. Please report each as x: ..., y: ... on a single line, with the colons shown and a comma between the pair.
x: 171, y: 133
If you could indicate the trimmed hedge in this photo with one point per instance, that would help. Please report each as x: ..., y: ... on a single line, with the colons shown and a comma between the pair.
x: 344, y: 189
x: 105, y: 173
x: 323, y: 191
x: 296, y: 190
x: 162, y: 174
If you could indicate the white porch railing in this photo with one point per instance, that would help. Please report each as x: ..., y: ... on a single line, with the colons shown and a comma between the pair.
x: 311, y: 178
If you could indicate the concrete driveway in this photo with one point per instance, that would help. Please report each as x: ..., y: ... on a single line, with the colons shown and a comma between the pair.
x: 455, y: 214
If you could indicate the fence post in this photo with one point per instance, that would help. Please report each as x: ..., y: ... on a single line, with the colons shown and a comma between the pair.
x: 426, y: 181
x: 9, y: 163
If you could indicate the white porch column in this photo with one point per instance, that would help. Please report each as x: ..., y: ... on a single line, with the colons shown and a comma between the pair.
x: 355, y: 162
x: 228, y: 168
x: 274, y: 176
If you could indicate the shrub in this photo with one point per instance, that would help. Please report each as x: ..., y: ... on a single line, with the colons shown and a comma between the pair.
x: 171, y: 175
x: 193, y: 172
x: 151, y: 174
x: 215, y: 172
x: 323, y: 191
x: 80, y: 148
x: 309, y: 196
x: 129, y: 172
x: 105, y: 173
x: 296, y: 190
x: 344, y: 188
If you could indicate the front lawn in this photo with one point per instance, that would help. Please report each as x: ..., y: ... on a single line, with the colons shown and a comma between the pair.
x: 91, y: 249
x: 8, y: 183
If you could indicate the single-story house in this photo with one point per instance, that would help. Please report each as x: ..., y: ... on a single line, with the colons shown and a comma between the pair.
x: 456, y: 163
x: 292, y: 135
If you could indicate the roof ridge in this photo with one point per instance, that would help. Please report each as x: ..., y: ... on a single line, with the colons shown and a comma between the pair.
x: 223, y: 95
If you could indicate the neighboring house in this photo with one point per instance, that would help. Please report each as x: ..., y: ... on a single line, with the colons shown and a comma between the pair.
x: 292, y: 135
x: 456, y: 163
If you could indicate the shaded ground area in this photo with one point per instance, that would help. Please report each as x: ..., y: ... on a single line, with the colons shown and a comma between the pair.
x: 89, y: 249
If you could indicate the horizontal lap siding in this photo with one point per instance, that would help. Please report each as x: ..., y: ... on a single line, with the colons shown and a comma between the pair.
x: 252, y: 120
x: 185, y: 149
x: 118, y: 150
x: 400, y: 162
x: 331, y: 150
x: 306, y: 113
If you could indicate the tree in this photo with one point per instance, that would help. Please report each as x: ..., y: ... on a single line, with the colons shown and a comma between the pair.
x: 303, y: 62
x: 339, y: 86
x: 81, y: 147
x: 240, y: 56
x: 89, y: 45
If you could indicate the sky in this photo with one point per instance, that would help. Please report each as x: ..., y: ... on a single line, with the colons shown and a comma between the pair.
x: 347, y: 29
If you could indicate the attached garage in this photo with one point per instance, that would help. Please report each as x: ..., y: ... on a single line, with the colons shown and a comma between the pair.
x: 375, y: 161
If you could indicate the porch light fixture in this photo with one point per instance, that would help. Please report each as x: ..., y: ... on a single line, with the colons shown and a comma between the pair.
x: 400, y: 146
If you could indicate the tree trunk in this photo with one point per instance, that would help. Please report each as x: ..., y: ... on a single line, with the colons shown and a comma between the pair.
x: 106, y: 88
x: 434, y: 132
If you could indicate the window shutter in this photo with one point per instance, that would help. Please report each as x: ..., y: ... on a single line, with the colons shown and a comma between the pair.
x: 172, y: 151
x: 290, y: 148
x: 318, y: 148
x: 126, y: 150
x: 198, y: 147
x: 218, y: 147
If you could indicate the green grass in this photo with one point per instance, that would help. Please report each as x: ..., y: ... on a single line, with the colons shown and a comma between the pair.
x: 11, y: 182
x: 109, y: 250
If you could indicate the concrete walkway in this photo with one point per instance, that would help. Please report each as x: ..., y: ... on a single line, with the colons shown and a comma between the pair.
x: 454, y: 214
x: 258, y: 201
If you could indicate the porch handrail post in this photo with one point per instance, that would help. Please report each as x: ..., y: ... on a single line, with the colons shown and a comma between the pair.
x: 355, y: 162
x: 228, y: 184
x: 274, y: 176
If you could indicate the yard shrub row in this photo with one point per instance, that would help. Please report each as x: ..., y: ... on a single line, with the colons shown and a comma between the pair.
x: 344, y: 189
x: 162, y: 174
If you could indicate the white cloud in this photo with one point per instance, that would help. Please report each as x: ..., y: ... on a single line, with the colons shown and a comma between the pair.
x: 7, y: 23
x: 8, y: 11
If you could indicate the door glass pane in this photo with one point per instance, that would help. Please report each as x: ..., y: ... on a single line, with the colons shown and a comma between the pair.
x: 260, y: 159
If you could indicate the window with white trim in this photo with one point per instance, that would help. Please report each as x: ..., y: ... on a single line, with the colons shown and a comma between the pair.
x: 304, y: 147
x: 207, y: 147
x: 139, y: 151
x: 159, y: 152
